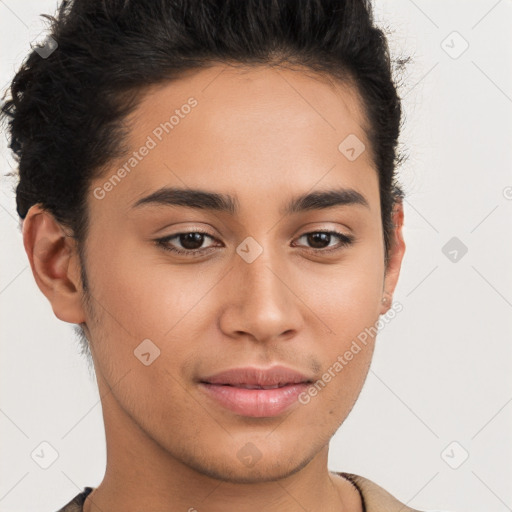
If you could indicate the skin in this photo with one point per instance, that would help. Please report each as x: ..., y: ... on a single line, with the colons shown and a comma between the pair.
x: 263, y: 135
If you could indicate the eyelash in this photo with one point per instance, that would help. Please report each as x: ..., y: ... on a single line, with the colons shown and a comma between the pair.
x: 345, y: 240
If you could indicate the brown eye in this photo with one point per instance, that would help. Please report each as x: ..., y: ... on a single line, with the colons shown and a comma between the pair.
x: 190, y: 243
x: 321, y: 240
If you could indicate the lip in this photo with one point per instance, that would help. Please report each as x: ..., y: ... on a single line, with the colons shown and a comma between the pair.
x: 227, y: 389
x: 251, y: 375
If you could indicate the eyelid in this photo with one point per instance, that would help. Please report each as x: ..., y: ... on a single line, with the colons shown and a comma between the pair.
x: 163, y: 243
x: 345, y: 240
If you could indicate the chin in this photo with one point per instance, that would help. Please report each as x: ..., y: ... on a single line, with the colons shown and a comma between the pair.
x: 245, y: 463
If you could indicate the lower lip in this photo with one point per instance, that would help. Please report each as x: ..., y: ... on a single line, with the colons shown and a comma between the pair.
x: 258, y: 403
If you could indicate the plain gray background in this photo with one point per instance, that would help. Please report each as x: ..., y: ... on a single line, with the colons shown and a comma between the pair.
x: 439, y: 389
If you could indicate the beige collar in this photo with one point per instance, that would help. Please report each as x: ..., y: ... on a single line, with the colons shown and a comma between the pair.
x: 376, y: 499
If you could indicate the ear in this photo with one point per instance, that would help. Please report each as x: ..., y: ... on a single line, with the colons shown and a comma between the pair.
x: 396, y: 254
x: 55, y: 264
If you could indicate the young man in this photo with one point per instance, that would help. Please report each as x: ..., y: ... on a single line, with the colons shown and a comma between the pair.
x: 209, y: 194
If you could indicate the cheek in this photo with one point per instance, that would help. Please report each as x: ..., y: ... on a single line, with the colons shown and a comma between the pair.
x: 143, y: 296
x: 346, y: 296
x: 346, y: 300
x: 142, y: 293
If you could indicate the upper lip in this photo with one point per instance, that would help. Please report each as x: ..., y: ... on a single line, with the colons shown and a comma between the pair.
x: 252, y: 376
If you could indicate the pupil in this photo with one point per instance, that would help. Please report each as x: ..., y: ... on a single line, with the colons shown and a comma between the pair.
x: 314, y: 238
x: 191, y: 240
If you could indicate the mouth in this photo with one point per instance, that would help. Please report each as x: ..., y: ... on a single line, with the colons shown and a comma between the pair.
x: 256, y: 402
x: 252, y: 386
x: 254, y: 392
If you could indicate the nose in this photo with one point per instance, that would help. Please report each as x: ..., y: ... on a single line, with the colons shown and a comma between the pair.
x: 260, y: 302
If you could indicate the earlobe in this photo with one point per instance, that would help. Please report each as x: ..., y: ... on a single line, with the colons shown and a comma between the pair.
x: 54, y: 263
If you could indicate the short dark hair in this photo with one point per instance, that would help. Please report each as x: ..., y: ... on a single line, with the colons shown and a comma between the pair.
x: 66, y: 111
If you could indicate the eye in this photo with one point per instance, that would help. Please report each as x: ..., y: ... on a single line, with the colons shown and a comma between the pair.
x: 322, y: 239
x: 191, y: 242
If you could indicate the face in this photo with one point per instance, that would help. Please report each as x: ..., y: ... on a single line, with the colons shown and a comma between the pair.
x: 259, y: 284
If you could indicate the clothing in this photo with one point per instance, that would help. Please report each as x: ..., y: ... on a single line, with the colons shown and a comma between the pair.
x: 373, y: 497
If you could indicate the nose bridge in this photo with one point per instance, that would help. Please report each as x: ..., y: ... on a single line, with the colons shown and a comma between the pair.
x: 260, y: 276
x: 263, y: 306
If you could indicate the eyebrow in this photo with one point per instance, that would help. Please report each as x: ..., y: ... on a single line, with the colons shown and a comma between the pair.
x: 204, y: 200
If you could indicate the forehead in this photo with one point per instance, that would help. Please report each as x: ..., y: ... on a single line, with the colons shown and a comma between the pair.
x: 258, y: 98
x: 250, y: 128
